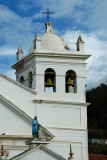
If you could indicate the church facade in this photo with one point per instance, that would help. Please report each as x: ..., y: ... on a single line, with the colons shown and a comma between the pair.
x: 50, y: 84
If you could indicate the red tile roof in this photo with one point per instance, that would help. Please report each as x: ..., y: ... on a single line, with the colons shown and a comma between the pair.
x: 97, y: 157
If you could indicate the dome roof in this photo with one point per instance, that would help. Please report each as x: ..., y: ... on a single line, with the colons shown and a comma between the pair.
x: 48, y: 41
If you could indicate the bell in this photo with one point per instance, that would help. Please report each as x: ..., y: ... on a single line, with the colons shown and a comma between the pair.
x: 69, y: 81
x: 49, y: 83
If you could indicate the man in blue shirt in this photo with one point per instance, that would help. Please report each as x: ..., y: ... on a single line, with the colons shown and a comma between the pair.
x: 35, y: 126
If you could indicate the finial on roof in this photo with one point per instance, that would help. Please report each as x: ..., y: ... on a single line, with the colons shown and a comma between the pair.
x: 37, y: 37
x: 20, y: 50
x: 80, y: 44
x: 19, y: 53
x: 80, y: 39
x: 2, y: 152
x: 37, y: 42
x: 71, y: 154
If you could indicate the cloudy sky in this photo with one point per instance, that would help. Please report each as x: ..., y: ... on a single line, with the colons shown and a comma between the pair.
x: 21, y: 20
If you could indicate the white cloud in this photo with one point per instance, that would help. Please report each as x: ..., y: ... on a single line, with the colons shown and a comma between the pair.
x: 96, y: 69
x: 7, y: 51
x: 16, y: 30
x: 88, y: 14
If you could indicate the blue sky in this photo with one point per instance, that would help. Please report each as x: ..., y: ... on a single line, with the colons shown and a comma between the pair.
x: 21, y: 20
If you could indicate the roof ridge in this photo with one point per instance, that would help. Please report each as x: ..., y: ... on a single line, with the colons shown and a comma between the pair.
x: 54, y: 153
x: 12, y: 105
x: 18, y: 83
x: 44, y: 148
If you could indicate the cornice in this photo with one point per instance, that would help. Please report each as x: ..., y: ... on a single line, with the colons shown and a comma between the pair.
x: 61, y: 63
x: 15, y: 137
x: 67, y: 128
x: 61, y: 102
x: 69, y: 54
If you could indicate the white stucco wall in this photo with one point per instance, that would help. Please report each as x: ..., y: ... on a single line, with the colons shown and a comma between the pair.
x: 64, y: 137
x: 12, y: 123
x: 19, y: 96
x: 62, y: 115
x: 38, y: 64
x: 61, y: 66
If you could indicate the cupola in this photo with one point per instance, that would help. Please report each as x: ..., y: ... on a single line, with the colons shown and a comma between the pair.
x: 49, y: 41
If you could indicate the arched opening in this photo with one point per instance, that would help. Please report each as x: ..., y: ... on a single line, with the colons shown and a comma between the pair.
x: 50, y: 80
x: 30, y: 79
x: 70, y: 82
x: 21, y: 79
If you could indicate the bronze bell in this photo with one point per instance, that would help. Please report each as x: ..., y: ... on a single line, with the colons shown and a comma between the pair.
x: 69, y: 81
x: 49, y: 83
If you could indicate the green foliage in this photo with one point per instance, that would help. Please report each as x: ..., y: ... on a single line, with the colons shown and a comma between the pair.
x: 97, y: 111
x: 97, y: 149
x: 97, y: 117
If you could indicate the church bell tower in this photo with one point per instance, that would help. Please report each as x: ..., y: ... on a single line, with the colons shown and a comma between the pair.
x: 57, y: 74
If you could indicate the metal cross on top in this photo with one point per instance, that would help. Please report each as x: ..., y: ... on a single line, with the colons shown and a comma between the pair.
x: 48, y: 13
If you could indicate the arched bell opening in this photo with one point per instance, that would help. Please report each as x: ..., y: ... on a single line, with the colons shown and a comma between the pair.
x: 50, y: 80
x: 21, y: 79
x: 30, y: 79
x: 70, y: 82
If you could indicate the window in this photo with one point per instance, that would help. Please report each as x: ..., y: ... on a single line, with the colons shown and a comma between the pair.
x: 50, y: 80
x: 70, y: 82
x: 30, y: 80
x: 21, y: 79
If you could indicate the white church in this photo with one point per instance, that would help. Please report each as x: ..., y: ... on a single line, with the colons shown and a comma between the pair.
x: 50, y: 84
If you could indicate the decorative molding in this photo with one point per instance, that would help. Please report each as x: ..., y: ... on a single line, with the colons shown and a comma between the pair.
x: 34, y: 141
x: 66, y: 142
x: 74, y: 129
x: 61, y: 102
x: 61, y: 75
x: 15, y: 147
x: 61, y: 63
x: 15, y: 137
x: 67, y: 54
x: 65, y: 107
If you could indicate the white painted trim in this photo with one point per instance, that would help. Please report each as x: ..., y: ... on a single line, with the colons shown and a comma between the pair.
x: 37, y: 142
x: 60, y: 128
x: 35, y: 148
x: 67, y: 54
x: 61, y: 63
x: 7, y: 136
x: 61, y: 102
